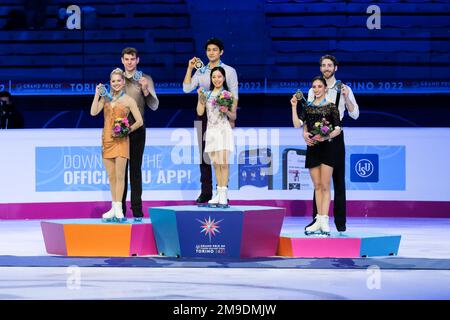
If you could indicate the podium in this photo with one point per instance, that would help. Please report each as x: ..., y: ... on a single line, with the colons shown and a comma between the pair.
x: 94, y: 238
x: 235, y: 232
x: 338, y: 245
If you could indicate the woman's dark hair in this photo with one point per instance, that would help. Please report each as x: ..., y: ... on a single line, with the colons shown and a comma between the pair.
x: 222, y: 71
x: 321, y: 79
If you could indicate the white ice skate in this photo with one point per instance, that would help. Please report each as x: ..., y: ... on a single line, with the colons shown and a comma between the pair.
x: 223, y: 198
x: 215, y: 200
x: 315, y: 227
x: 320, y: 226
x: 118, y: 213
x: 109, y: 215
x: 325, y: 226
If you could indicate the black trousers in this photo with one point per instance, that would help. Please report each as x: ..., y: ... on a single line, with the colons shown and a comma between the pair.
x: 339, y: 207
x: 205, y: 163
x: 137, y: 145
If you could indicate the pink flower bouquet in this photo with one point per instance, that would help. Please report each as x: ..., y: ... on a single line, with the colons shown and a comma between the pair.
x: 224, y: 101
x: 322, y: 128
x: 121, y: 128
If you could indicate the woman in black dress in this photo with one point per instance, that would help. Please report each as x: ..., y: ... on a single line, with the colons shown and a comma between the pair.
x: 320, y: 156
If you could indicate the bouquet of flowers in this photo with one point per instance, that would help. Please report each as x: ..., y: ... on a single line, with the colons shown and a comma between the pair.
x: 224, y: 101
x: 322, y: 128
x: 121, y: 128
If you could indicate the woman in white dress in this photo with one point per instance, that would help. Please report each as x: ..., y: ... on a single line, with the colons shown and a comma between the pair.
x: 219, y: 134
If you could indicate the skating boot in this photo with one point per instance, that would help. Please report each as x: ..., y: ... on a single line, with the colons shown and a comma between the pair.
x: 325, y: 226
x: 315, y: 227
x: 118, y: 213
x: 215, y: 200
x: 311, y: 223
x: 203, y: 198
x: 109, y: 215
x: 223, y: 198
x: 340, y: 226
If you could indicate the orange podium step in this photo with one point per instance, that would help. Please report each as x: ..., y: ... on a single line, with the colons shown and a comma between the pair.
x: 94, y: 238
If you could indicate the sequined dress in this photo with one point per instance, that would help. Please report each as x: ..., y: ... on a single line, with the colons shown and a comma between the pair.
x: 323, y: 152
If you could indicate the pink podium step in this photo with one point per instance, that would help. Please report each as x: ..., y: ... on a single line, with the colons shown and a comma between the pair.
x: 349, y: 245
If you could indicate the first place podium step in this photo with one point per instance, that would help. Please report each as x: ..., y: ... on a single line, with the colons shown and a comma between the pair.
x: 234, y: 232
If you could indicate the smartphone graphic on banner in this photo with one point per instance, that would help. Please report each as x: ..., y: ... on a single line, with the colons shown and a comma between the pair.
x: 255, y: 169
x: 295, y: 175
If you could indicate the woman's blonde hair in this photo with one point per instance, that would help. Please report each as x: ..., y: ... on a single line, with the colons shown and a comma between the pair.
x: 117, y: 71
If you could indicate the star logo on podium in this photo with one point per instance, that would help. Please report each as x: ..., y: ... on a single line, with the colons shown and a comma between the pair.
x: 209, y: 227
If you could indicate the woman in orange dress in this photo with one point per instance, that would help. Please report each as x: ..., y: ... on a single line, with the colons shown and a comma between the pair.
x: 115, y: 150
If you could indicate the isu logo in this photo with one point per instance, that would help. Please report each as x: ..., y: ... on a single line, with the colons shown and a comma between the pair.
x: 364, y: 168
